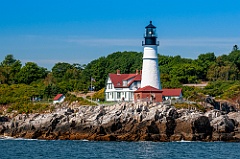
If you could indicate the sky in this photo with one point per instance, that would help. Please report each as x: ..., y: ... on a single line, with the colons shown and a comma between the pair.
x: 79, y: 31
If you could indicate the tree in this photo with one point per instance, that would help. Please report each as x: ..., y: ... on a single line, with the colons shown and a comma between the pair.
x: 8, y: 61
x: 208, y: 57
x: 222, y: 70
x: 15, y: 68
x: 204, y: 61
x: 31, y: 72
x: 49, y: 79
x: 235, y: 48
x: 185, y: 73
x: 3, y: 78
x: 59, y: 70
x: 126, y: 62
x: 8, y: 69
x: 52, y: 90
x: 234, y: 57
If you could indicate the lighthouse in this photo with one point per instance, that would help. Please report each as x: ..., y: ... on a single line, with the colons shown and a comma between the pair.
x: 150, y: 69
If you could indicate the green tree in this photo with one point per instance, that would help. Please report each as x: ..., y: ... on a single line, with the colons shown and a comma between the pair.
x: 3, y: 78
x: 8, y: 61
x: 185, y: 73
x: 222, y: 70
x: 52, y: 90
x: 59, y: 70
x: 31, y: 72
x: 234, y: 57
x: 8, y: 70
x: 235, y: 48
x: 126, y: 62
x: 204, y: 61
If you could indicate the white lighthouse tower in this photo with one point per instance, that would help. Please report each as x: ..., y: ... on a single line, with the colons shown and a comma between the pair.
x: 150, y: 70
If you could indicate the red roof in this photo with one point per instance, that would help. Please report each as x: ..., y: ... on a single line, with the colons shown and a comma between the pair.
x: 148, y: 89
x: 117, y: 79
x: 57, y: 97
x: 172, y: 92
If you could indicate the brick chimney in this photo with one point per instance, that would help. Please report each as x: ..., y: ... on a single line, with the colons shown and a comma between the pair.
x: 136, y: 72
x: 118, y: 72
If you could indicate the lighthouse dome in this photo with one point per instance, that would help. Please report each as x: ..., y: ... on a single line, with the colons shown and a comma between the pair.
x: 150, y: 35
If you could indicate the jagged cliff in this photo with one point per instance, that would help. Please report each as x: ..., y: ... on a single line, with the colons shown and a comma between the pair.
x: 125, y: 122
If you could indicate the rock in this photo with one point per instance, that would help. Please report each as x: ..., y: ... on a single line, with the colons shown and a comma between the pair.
x: 172, y: 112
x: 2, y: 129
x: 220, y: 105
x: 223, y: 124
x: 100, y: 131
x: 4, y: 119
x: 125, y: 121
x: 201, y: 128
x: 212, y: 114
x: 152, y: 129
x: 183, y: 128
x: 170, y: 126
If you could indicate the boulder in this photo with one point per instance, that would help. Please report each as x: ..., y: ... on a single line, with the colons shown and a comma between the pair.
x: 201, y: 128
x: 4, y: 119
x: 223, y: 124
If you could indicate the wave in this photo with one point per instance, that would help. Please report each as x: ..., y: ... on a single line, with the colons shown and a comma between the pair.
x: 13, y: 138
x: 6, y: 138
x: 185, y: 141
x: 84, y: 140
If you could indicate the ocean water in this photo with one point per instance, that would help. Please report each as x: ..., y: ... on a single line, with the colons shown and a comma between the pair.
x: 59, y: 149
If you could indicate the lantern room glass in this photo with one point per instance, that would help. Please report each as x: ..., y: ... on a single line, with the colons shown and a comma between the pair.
x: 150, y: 32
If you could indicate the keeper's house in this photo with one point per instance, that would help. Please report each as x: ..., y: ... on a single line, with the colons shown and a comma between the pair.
x: 121, y: 87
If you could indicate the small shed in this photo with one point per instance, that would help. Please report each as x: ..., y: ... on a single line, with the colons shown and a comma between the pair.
x: 148, y: 93
x: 172, y: 93
x: 59, y: 98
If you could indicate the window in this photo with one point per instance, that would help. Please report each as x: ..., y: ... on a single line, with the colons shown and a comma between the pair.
x: 124, y: 83
x: 118, y: 95
x: 109, y: 85
x: 131, y: 95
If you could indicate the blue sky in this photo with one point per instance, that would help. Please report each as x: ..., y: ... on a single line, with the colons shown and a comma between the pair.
x: 75, y: 31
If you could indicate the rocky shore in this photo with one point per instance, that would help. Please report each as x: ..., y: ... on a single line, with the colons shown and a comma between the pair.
x: 125, y: 122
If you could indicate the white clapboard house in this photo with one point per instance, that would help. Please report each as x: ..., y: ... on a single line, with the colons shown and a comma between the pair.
x: 121, y: 87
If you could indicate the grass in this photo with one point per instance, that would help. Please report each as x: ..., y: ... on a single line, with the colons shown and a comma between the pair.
x: 107, y: 103
x: 71, y: 98
x: 187, y: 106
x: 29, y: 107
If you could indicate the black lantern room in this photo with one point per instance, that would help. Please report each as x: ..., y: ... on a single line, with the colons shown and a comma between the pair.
x: 150, y: 35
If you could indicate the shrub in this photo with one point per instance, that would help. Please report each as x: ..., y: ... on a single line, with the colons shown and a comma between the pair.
x: 186, y: 106
x: 24, y: 107
x: 71, y: 98
x: 99, y: 95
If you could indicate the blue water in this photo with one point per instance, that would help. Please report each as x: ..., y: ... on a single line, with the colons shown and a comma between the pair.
x: 41, y: 149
